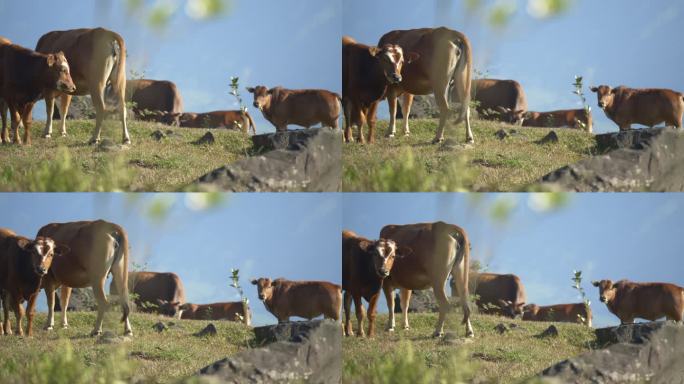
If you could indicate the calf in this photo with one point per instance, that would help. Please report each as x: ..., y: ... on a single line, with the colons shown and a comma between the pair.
x: 23, y: 263
x: 304, y: 107
x: 572, y: 118
x: 24, y: 77
x: 649, y: 107
x: 307, y: 299
x: 568, y: 313
x: 629, y: 300
x: 365, y: 264
x: 240, y: 120
x: 500, y: 294
x: 232, y: 311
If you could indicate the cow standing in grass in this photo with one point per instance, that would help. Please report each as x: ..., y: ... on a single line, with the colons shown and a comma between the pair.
x: 307, y: 299
x: 630, y: 300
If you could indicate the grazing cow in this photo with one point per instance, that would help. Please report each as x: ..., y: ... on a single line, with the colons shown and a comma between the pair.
x: 445, y: 61
x: 366, y: 73
x: 23, y: 263
x: 365, y: 264
x: 572, y: 118
x: 233, y: 311
x: 307, y: 299
x: 505, y: 98
x: 152, y: 96
x: 96, y: 249
x: 649, y: 107
x: 163, y: 290
x: 498, y: 294
x: 240, y: 120
x: 97, y: 58
x: 304, y: 107
x: 565, y: 313
x: 437, y: 250
x: 24, y: 77
x: 629, y: 300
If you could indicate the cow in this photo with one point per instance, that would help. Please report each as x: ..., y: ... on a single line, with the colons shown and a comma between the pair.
x: 304, y: 107
x: 153, y: 96
x: 366, y: 73
x: 3, y: 104
x: 365, y: 264
x: 96, y: 249
x: 445, y: 61
x: 307, y: 299
x: 499, y: 100
x: 572, y: 118
x: 157, y: 292
x: 24, y: 77
x: 233, y: 311
x: 499, y: 294
x: 649, y: 107
x: 23, y: 264
x: 629, y: 300
x: 240, y: 120
x: 437, y: 250
x: 567, y: 313
x: 98, y: 59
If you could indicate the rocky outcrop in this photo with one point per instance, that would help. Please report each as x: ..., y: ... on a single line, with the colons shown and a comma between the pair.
x: 304, y: 160
x: 421, y: 301
x: 81, y: 299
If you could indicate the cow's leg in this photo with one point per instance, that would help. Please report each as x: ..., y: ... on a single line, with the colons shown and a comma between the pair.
x: 389, y: 297
x: 372, y: 312
x: 102, y: 304
x: 459, y: 272
x: 392, y: 103
x: 64, y: 296
x: 443, y: 302
x: 18, y: 314
x: 97, y: 96
x: 371, y: 120
x: 360, y: 314
x: 348, y: 134
x: 126, y: 139
x: 65, y: 101
x: 3, y: 114
x: 360, y: 119
x: 6, y: 302
x: 405, y: 297
x: 406, y: 108
x: 441, y: 91
x: 49, y: 110
x: 27, y: 118
x: 15, y: 119
x: 31, y: 312
x: 347, y: 314
x: 120, y: 275
x: 50, y: 295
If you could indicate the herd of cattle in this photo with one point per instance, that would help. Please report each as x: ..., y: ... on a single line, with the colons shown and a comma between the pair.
x: 439, y: 61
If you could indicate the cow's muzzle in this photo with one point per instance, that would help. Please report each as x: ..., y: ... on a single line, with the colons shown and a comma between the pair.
x: 601, y: 104
x: 261, y: 297
x: 256, y: 105
x: 394, y: 78
x: 603, y: 299
x: 41, y: 271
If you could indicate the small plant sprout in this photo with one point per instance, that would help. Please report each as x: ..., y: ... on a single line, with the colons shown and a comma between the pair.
x: 577, y: 280
x: 235, y: 283
x: 580, y: 93
x: 235, y: 91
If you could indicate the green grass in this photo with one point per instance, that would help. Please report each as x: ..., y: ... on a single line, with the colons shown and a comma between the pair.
x: 414, y: 164
x: 70, y: 164
x: 490, y: 357
x: 149, y: 356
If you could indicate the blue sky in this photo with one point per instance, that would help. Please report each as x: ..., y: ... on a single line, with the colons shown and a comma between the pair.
x: 634, y: 43
x: 607, y: 236
x: 271, y: 42
x: 295, y: 236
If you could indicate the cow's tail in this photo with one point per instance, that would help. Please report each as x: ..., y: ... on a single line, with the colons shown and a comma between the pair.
x: 463, y: 256
x: 461, y: 77
x: 117, y: 77
x: 119, y: 269
x: 252, y: 126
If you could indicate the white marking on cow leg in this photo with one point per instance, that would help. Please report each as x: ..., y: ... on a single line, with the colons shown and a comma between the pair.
x: 49, y: 110
x: 65, y: 100
x: 405, y: 296
x: 50, y: 295
x: 65, y: 295
x: 389, y: 297
x: 408, y: 101
x: 392, y: 102
x: 469, y: 133
x: 122, y: 114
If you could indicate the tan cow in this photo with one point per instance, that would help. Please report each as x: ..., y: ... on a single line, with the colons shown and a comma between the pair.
x: 157, y: 292
x: 96, y: 249
x: 438, y: 249
x: 3, y: 104
x: 307, y: 299
x: 98, y: 59
x: 445, y: 61
x: 153, y: 95
x: 499, y: 100
x: 649, y: 107
x: 236, y: 119
x: 303, y: 107
x: 629, y: 300
x: 232, y: 311
x: 500, y: 294
x: 567, y: 313
x: 571, y: 118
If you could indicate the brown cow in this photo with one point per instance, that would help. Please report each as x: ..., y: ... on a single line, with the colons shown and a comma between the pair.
x: 567, y: 313
x: 233, y: 311
x: 3, y: 104
x: 649, y: 107
x: 499, y: 100
x: 307, y: 299
x: 24, y: 75
x: 153, y: 95
x: 438, y: 249
x: 365, y: 264
x: 238, y: 119
x: 157, y: 292
x: 498, y: 294
x: 572, y: 118
x: 629, y: 300
x: 23, y: 263
x: 366, y: 73
x: 97, y: 58
x: 445, y: 60
x: 96, y: 249
x: 304, y: 107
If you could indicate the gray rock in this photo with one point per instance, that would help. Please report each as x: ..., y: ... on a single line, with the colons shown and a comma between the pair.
x: 421, y: 301
x: 292, y: 331
x: 501, y: 328
x: 314, y: 356
x: 312, y: 163
x: 209, y: 330
x: 81, y: 299
x: 208, y: 138
x: 158, y: 135
x: 160, y: 327
x: 551, y: 137
x: 423, y: 107
x: 501, y: 134
x: 551, y: 331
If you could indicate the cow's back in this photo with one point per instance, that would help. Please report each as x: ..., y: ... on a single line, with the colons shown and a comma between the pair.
x: 153, y: 286
x: 305, y: 107
x: 308, y: 299
x: 154, y: 95
x: 492, y: 93
x: 491, y: 287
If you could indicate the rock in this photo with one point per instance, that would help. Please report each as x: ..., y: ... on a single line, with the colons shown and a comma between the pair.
x: 551, y: 331
x: 81, y: 299
x: 642, y: 160
x: 423, y: 107
x: 313, y: 356
x: 160, y: 327
x: 209, y: 330
x: 282, y: 140
x: 551, y: 137
x: 292, y: 331
x: 645, y: 352
x: 158, y: 135
x: 109, y: 337
x: 108, y: 145
x: 501, y: 328
x: 311, y: 164
x: 208, y: 138
x: 421, y: 301
x: 501, y: 134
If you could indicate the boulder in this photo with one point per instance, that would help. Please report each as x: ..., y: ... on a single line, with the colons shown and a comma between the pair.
x: 551, y: 331
x: 423, y: 107
x: 209, y: 330
x: 551, y: 137
x: 313, y: 355
x: 308, y: 160
x: 81, y: 299
x: 208, y: 138
x: 421, y: 301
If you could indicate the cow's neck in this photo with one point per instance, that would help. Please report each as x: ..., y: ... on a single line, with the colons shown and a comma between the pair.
x: 30, y: 281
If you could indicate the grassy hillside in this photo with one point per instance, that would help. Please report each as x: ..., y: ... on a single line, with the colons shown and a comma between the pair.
x: 70, y: 164
x: 71, y: 356
x: 414, y: 164
x: 413, y: 356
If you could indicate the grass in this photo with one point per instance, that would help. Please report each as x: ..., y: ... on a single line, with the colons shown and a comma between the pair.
x: 148, y: 357
x: 490, y: 164
x: 490, y: 357
x: 70, y: 164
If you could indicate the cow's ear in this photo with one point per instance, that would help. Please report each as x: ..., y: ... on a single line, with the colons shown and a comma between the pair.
x: 62, y: 250
x: 411, y: 57
x: 402, y: 251
x: 254, y: 281
x: 24, y: 244
x: 593, y: 89
x: 595, y: 283
x: 373, y: 51
x: 250, y: 89
x: 364, y: 245
x: 51, y: 60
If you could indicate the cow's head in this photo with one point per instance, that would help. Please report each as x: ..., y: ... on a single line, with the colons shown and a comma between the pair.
x: 511, y: 116
x: 511, y: 309
x: 383, y: 253
x: 605, y: 95
x: 168, y: 308
x: 532, y: 309
x: 58, y: 75
x: 606, y: 290
x: 391, y: 58
x: 41, y: 251
x: 262, y: 96
x: 264, y: 287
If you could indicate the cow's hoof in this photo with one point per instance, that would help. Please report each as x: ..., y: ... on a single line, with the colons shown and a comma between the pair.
x: 407, y: 134
x: 64, y: 134
x: 407, y: 328
x: 128, y: 333
x: 127, y: 142
x: 390, y: 329
x: 47, y: 136
x: 50, y: 328
x: 438, y: 334
x: 95, y: 333
x: 437, y: 140
x: 93, y: 141
x: 390, y: 136
x: 470, y: 141
x: 470, y: 334
x: 65, y: 326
